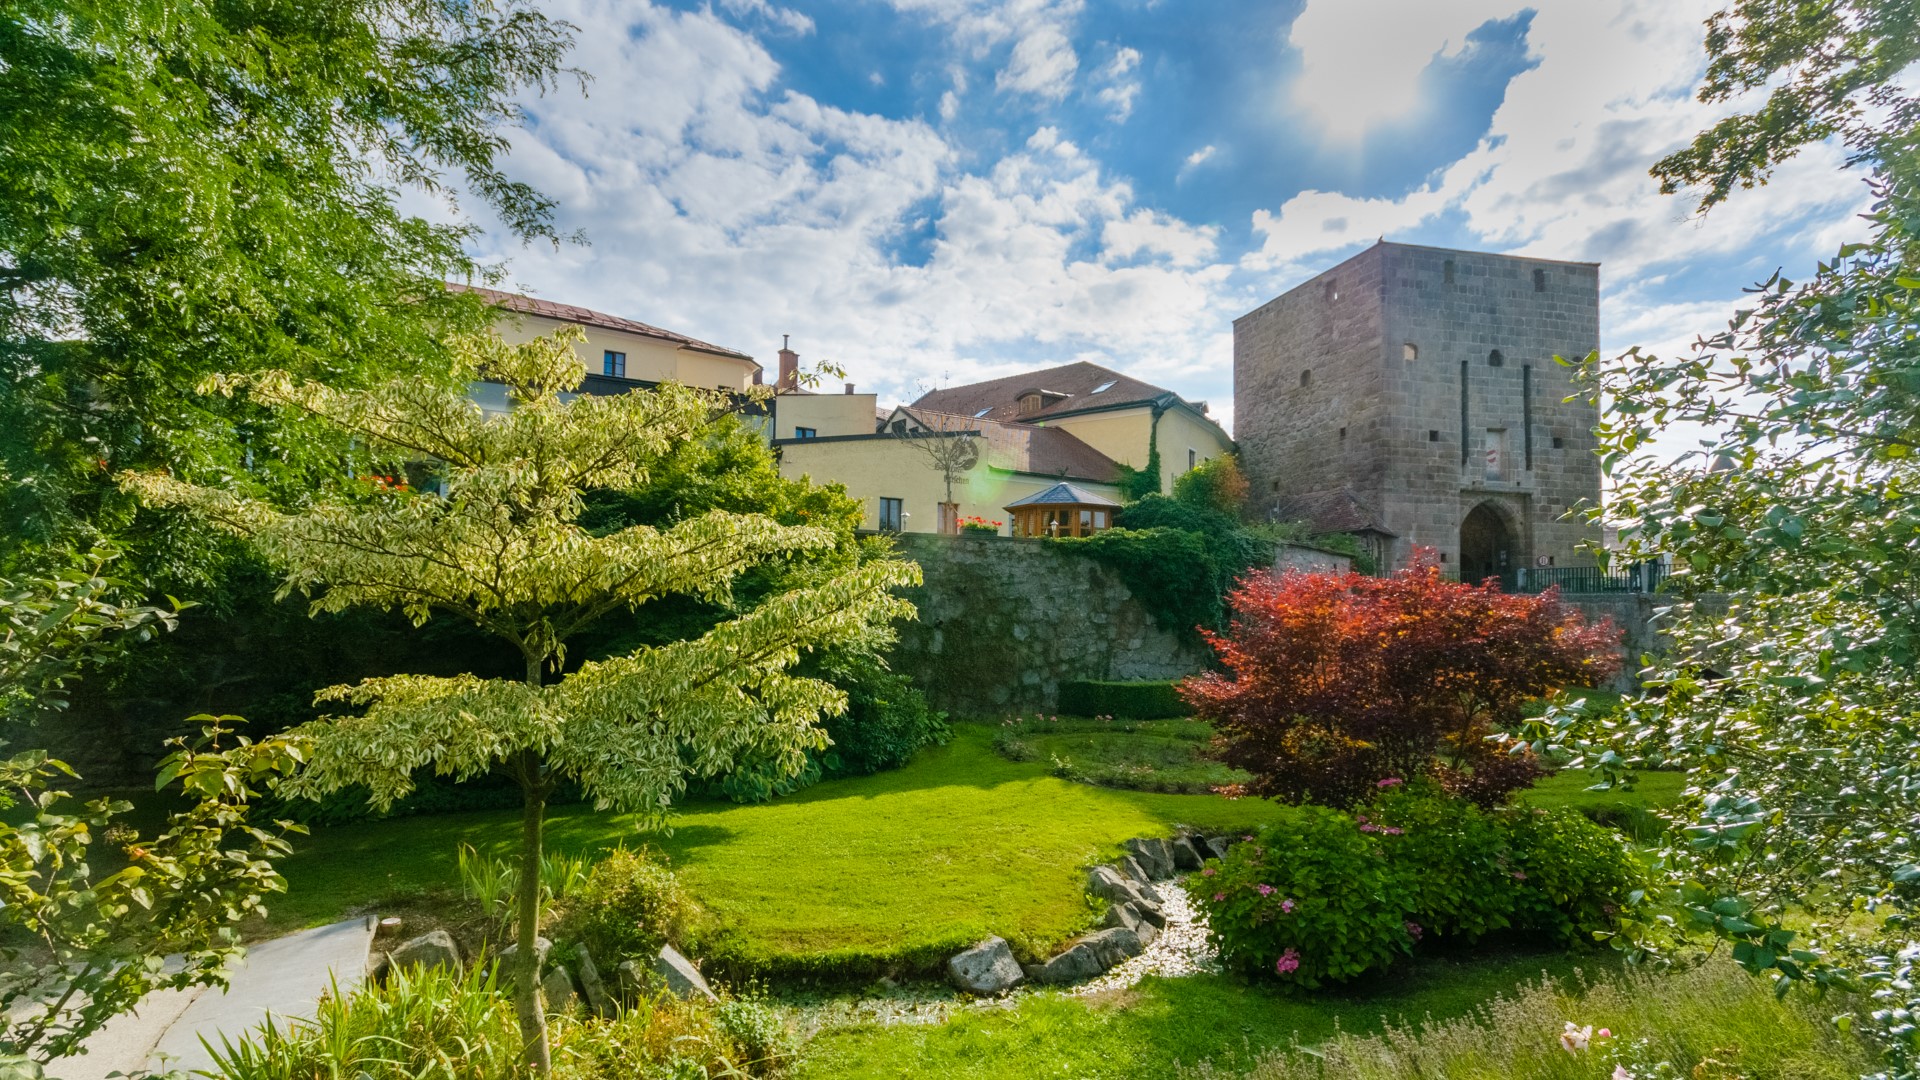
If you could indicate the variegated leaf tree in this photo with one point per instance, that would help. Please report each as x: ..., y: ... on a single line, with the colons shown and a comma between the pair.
x: 499, y: 545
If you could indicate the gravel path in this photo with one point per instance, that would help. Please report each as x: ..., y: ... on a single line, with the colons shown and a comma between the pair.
x: 1180, y: 950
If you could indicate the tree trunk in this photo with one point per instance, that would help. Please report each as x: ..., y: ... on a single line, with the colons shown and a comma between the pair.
x: 526, y: 975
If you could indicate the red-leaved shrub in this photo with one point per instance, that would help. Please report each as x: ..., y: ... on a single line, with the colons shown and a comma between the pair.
x: 1337, y: 682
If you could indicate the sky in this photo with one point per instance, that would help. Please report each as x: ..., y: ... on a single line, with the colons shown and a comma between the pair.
x: 933, y: 192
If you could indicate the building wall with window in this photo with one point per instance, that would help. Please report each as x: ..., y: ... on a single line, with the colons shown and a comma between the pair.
x: 1424, y: 380
x: 1126, y: 436
x: 647, y: 359
x: 825, y: 414
x: 878, y: 468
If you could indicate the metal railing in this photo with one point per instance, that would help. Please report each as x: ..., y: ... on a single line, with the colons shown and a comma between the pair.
x: 1643, y: 577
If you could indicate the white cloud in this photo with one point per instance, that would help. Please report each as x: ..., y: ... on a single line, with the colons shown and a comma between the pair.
x: 1121, y: 87
x: 1042, y: 62
x: 786, y: 18
x: 1361, y: 60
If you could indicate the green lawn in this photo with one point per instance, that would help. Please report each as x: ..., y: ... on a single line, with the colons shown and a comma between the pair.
x: 851, y: 877
x: 1146, y: 755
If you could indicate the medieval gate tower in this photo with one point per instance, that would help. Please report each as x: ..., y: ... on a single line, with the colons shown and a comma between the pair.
x: 1411, y: 395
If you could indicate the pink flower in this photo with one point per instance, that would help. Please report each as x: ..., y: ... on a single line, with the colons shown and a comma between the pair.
x: 1414, y: 931
x: 1620, y: 1073
x: 1208, y: 872
x: 1247, y: 838
x: 1391, y: 831
x: 1575, y: 1039
x: 1265, y: 889
x: 1219, y: 896
x: 1288, y: 963
x: 1519, y: 875
x: 1391, y: 781
x: 1286, y: 906
x: 1603, y: 1033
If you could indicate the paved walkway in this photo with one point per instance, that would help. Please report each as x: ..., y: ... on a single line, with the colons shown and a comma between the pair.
x: 284, y: 977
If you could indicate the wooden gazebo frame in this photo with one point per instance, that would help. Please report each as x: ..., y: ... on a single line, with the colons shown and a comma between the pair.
x: 1062, y: 510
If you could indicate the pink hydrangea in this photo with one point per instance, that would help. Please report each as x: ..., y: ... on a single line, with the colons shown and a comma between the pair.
x: 1248, y: 838
x: 1414, y: 931
x: 1288, y: 963
x: 1208, y: 872
x: 1265, y: 889
x: 1391, y: 781
x: 1286, y: 906
x: 1219, y: 896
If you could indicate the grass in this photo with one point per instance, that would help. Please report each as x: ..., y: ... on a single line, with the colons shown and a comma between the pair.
x: 1485, y: 1019
x: 1145, y: 755
x: 849, y: 879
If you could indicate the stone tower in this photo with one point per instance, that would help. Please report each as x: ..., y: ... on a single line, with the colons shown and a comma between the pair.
x: 1411, y: 395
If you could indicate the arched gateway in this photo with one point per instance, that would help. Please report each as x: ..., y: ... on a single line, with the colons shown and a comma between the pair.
x: 1486, y: 546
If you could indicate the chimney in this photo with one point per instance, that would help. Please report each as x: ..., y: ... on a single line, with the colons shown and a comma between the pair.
x: 849, y: 388
x: 789, y: 367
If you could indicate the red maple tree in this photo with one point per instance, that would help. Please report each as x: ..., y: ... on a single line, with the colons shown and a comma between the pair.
x: 1334, y: 683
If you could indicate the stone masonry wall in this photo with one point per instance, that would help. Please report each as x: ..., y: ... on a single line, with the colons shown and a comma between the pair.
x: 1004, y: 622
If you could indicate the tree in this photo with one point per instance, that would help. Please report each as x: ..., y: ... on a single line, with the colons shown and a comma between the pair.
x: 190, y: 187
x: 54, y: 625
x: 502, y: 548
x: 1788, y: 693
x: 950, y: 447
x: 1214, y: 484
x: 1335, y: 683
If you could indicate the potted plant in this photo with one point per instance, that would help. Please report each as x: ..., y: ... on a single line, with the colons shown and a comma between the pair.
x: 979, y: 526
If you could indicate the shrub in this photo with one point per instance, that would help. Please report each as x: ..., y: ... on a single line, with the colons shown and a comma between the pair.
x: 887, y: 720
x: 629, y: 905
x: 1579, y: 875
x: 1146, y: 700
x: 1308, y: 900
x: 1453, y: 861
x: 1215, y: 484
x: 1335, y: 682
x: 757, y: 1029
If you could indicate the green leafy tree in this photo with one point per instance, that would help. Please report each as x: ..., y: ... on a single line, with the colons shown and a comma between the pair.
x: 502, y: 548
x: 1214, y: 484
x: 190, y: 187
x: 54, y: 625
x: 1789, y: 693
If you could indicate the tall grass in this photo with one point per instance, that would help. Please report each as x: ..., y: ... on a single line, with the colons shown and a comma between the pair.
x: 492, y: 882
x: 1713, y: 1021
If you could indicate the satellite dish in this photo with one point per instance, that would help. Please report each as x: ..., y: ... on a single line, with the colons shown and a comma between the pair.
x: 966, y: 455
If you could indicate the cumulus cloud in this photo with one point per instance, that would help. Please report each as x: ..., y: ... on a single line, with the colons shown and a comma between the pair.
x: 785, y: 18
x: 1121, y: 85
x: 1352, y: 75
x: 1042, y: 62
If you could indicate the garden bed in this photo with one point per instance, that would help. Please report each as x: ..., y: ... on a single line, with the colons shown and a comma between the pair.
x: 1141, y: 755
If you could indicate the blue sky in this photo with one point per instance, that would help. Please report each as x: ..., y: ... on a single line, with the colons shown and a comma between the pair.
x: 928, y: 192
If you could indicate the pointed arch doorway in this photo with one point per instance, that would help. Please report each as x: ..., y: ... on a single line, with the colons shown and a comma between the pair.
x: 1486, y: 547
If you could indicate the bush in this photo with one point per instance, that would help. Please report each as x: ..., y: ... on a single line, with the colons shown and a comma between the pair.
x: 1146, y: 700
x: 1454, y: 861
x: 1578, y: 874
x: 887, y: 720
x: 629, y: 905
x: 1310, y: 899
x: 1214, y: 484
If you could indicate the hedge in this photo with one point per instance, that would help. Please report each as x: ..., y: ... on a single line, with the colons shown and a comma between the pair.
x: 1150, y: 700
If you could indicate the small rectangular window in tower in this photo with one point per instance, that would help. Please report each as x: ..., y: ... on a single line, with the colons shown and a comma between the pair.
x: 613, y: 364
x: 1343, y: 433
x: 1559, y: 443
x: 1433, y: 436
x: 1409, y: 351
x: 1539, y: 281
x: 1496, y: 453
x: 1446, y: 270
x: 1193, y: 459
x: 805, y: 433
x: 1332, y: 289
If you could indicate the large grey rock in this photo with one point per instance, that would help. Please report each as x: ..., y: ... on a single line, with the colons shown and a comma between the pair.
x: 1136, y: 869
x: 1185, y: 855
x: 433, y: 949
x: 987, y: 968
x: 1114, y: 945
x: 680, y: 975
x: 1111, y: 885
x: 508, y: 962
x: 557, y: 988
x: 634, y: 980
x: 1153, y: 855
x: 1078, y: 962
x: 1123, y: 915
x: 592, y: 986
x: 1217, y: 846
x: 1146, y: 932
x: 1151, y: 915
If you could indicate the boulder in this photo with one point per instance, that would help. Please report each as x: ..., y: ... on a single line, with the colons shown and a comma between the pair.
x: 1114, y: 945
x: 1151, y: 915
x: 1217, y: 847
x: 592, y: 986
x: 1146, y: 932
x: 433, y: 949
x: 379, y: 963
x: 1111, y: 885
x: 1147, y: 894
x: 680, y: 975
x: 1136, y: 869
x: 1077, y: 963
x: 1154, y: 856
x: 506, y: 963
x: 557, y: 988
x: 1185, y: 855
x: 632, y: 980
x: 987, y: 968
x: 1123, y: 915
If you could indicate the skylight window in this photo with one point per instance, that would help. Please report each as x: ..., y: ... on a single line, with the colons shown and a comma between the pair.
x: 983, y: 412
x: 1103, y: 387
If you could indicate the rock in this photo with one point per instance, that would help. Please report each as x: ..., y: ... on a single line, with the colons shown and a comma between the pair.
x: 1151, y: 915
x: 1114, y: 945
x: 1078, y: 962
x: 1217, y: 846
x: 557, y: 988
x: 1109, y: 884
x: 631, y: 980
x: 1125, y: 916
x: 592, y: 986
x: 1185, y: 855
x: 1154, y: 856
x: 680, y: 975
x: 987, y: 968
x: 434, y: 949
x: 1147, y: 894
x: 504, y: 964
x: 1146, y: 932
x: 379, y: 963
x: 1136, y: 869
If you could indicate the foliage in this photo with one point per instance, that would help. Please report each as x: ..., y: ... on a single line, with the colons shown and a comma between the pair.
x: 431, y: 1023
x: 1214, y: 484
x: 850, y: 880
x: 979, y: 526
x: 1335, y: 682
x: 53, y: 626
x: 1136, y: 484
x: 1309, y: 899
x: 194, y: 187
x: 1149, y: 699
x: 102, y: 942
x: 756, y: 1026
x: 1143, y: 755
x: 1324, y: 896
x: 502, y: 548
x: 887, y: 720
x: 494, y: 883
x: 628, y: 907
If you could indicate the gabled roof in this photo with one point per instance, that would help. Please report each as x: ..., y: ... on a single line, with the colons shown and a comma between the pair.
x: 1063, y: 494
x: 1023, y: 448
x: 999, y: 399
x: 548, y: 309
x: 1334, y: 510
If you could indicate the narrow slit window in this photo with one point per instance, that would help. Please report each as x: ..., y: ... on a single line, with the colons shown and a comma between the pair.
x: 1539, y: 281
x: 1494, y: 359
x: 1306, y: 377
x: 1409, y: 351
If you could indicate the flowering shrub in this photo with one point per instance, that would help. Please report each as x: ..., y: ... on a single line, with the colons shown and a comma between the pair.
x: 1578, y: 875
x: 1453, y: 860
x: 1308, y: 900
x: 977, y: 525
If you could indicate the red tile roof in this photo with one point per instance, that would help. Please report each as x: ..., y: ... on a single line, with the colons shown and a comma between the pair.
x: 548, y: 309
x: 1075, y: 383
x: 1026, y: 448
